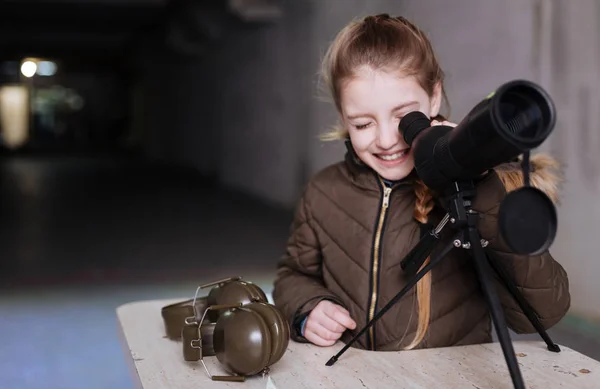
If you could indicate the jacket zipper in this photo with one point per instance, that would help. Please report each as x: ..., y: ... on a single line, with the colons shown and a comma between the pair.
x: 376, y: 260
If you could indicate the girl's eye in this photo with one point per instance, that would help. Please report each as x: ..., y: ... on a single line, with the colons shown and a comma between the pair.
x: 361, y: 126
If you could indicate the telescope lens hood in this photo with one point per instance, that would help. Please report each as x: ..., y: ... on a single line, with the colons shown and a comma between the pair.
x: 527, y: 221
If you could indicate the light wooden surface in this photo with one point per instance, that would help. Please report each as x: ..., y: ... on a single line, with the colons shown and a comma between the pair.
x: 156, y: 362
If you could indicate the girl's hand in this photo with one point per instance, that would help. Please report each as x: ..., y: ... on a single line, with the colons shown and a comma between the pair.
x: 444, y: 123
x: 326, y: 323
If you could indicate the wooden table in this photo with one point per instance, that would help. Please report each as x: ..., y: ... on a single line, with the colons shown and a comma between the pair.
x: 157, y: 363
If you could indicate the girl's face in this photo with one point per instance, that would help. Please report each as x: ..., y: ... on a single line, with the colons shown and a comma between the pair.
x: 373, y: 103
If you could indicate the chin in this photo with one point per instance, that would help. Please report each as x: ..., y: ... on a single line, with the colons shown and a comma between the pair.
x: 392, y: 171
x: 395, y: 176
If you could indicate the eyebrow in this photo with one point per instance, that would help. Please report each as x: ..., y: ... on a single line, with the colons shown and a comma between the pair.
x: 396, y: 108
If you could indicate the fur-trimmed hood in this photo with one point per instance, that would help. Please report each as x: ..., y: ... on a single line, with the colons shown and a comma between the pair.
x: 545, y: 175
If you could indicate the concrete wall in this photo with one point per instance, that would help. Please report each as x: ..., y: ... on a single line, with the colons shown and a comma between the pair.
x: 480, y: 45
x: 575, y: 85
x: 238, y: 113
x: 265, y: 106
x: 248, y: 113
x: 256, y: 114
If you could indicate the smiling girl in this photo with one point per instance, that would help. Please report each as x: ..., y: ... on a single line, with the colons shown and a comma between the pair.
x: 358, y: 218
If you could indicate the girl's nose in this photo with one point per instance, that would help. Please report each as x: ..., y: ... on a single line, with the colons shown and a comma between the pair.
x: 387, y: 136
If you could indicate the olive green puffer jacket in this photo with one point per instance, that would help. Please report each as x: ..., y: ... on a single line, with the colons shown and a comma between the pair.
x: 349, y: 235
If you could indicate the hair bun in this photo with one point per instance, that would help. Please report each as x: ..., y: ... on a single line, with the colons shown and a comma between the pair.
x: 376, y: 18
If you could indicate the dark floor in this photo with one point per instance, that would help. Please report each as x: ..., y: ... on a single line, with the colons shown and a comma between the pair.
x: 81, y: 235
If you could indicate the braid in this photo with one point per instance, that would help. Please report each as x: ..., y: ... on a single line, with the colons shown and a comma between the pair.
x: 424, y: 202
x: 423, y: 205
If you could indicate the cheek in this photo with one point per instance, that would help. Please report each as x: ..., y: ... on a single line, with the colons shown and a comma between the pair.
x: 361, y: 139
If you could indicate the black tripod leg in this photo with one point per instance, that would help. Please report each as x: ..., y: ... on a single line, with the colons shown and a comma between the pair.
x: 434, y: 261
x: 523, y: 304
x: 484, y: 272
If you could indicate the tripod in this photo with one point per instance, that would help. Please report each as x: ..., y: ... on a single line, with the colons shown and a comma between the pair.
x: 463, y: 219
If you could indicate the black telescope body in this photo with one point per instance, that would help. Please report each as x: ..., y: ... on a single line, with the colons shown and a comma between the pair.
x: 517, y: 117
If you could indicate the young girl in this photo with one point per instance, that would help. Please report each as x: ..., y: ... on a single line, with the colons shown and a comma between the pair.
x: 358, y: 218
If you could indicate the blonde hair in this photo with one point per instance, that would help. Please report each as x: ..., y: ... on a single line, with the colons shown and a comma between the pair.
x: 384, y: 42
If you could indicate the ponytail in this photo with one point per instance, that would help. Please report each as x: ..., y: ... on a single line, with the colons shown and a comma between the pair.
x: 423, y: 205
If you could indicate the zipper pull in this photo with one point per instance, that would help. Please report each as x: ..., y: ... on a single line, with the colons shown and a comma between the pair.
x: 386, y: 196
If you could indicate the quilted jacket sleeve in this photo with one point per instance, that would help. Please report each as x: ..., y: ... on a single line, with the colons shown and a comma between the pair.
x: 541, y: 279
x: 299, y: 286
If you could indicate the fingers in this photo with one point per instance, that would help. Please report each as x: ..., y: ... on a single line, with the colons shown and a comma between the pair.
x: 319, y: 320
x: 331, y: 325
x: 326, y: 323
x: 318, y: 334
x: 442, y: 123
x: 316, y: 339
x: 340, y: 316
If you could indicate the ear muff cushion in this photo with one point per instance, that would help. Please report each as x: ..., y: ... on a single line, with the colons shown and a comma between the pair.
x: 201, y: 305
x: 284, y: 337
x: 207, y: 330
x: 189, y: 333
x: 278, y: 327
x: 242, y: 341
x: 174, y: 315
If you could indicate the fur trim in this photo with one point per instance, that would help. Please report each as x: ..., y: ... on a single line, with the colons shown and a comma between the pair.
x: 545, y: 175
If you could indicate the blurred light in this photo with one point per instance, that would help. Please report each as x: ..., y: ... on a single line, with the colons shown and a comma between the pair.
x: 46, y: 68
x: 28, y: 68
x: 14, y: 115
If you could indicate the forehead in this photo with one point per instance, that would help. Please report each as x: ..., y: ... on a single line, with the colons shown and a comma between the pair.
x: 370, y: 89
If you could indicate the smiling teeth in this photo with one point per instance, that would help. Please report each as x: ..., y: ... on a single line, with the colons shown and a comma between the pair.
x: 393, y: 156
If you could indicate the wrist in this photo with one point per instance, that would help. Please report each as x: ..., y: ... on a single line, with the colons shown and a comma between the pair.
x: 299, y: 324
x: 302, y: 326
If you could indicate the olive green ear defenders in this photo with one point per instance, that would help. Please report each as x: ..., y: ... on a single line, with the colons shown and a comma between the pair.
x: 235, y: 323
